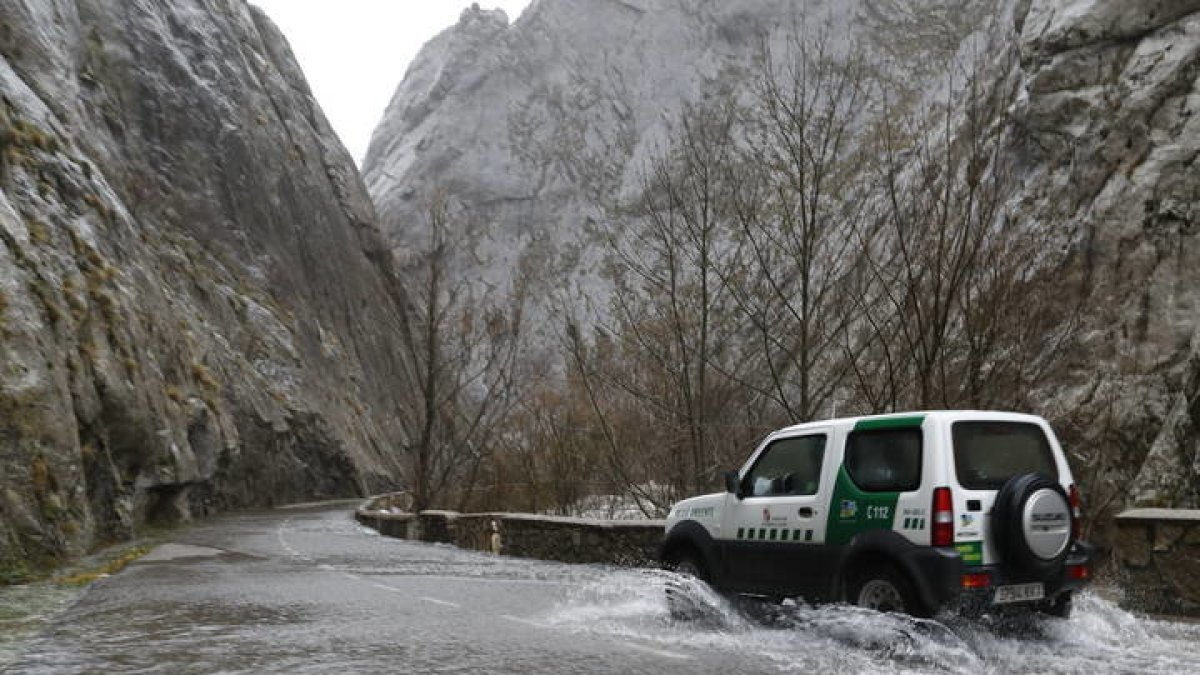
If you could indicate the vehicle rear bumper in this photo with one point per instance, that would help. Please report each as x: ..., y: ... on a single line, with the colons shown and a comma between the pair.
x: 973, y: 600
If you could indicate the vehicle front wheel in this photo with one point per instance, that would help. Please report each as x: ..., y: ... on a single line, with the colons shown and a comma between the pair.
x: 684, y: 599
x: 689, y: 566
x: 884, y: 589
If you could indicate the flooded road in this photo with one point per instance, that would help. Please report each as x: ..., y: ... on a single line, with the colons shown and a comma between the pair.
x: 309, y: 591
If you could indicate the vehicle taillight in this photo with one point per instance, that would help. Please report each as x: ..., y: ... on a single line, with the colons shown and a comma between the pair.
x: 943, y: 518
x: 1079, y: 572
x: 1076, y: 511
x: 976, y: 580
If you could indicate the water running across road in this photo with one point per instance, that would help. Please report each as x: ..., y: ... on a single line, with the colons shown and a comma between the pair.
x: 309, y: 591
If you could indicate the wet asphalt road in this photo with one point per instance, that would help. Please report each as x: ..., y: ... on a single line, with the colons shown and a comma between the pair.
x: 309, y: 591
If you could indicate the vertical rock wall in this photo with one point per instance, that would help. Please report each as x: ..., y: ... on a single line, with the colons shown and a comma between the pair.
x: 1107, y: 131
x: 195, y: 305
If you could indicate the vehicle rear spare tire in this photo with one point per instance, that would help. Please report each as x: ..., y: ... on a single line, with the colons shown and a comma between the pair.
x: 1031, y: 525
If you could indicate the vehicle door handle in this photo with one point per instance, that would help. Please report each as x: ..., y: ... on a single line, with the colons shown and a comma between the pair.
x: 806, y: 512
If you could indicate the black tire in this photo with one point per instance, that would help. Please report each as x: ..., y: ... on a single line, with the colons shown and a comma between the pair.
x: 1009, y: 537
x: 884, y: 588
x: 689, y: 565
x: 1060, y: 606
x: 682, y: 603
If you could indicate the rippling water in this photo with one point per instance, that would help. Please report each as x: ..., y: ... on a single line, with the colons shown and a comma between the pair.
x: 26, y: 610
x: 314, y: 593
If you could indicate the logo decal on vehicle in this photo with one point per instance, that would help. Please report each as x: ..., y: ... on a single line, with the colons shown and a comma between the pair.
x: 971, y: 552
x: 966, y: 519
x: 853, y: 511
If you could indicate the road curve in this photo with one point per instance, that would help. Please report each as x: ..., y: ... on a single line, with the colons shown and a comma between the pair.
x: 309, y: 591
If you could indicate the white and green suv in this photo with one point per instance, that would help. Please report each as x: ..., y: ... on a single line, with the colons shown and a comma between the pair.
x: 910, y: 512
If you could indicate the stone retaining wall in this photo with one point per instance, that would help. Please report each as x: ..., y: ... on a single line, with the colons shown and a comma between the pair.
x: 574, y: 540
x: 1157, y: 550
x: 1158, y: 560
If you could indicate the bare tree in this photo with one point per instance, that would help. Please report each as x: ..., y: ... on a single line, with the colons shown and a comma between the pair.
x: 798, y: 208
x: 675, y: 350
x: 461, y: 349
x: 960, y: 308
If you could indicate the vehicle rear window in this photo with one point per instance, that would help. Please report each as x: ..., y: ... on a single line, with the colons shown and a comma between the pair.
x: 986, y: 454
x: 885, y: 460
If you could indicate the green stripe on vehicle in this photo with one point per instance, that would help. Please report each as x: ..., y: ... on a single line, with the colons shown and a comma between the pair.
x: 852, y: 511
x: 889, y: 423
x: 971, y: 552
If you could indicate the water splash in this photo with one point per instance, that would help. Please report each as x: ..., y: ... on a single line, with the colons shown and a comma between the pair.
x: 1099, y: 638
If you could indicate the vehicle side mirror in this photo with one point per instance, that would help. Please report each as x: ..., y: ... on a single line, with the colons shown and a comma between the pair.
x: 732, y: 483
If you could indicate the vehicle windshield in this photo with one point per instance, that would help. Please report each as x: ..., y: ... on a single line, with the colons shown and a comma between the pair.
x: 986, y: 454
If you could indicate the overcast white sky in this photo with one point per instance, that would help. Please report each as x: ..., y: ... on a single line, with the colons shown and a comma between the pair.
x: 355, y: 52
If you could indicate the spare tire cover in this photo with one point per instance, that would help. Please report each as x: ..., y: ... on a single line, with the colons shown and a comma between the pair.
x: 1031, y: 524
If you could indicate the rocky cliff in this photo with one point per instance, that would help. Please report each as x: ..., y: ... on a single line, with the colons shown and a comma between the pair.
x: 534, y: 124
x: 1105, y: 125
x: 539, y: 124
x: 195, y: 303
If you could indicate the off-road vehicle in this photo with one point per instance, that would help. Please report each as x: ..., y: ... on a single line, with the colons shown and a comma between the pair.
x: 913, y: 512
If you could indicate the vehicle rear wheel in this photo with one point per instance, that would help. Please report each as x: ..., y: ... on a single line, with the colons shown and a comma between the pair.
x: 1060, y: 606
x: 883, y: 588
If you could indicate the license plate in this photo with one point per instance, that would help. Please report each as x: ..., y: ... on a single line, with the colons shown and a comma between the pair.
x: 1019, y: 593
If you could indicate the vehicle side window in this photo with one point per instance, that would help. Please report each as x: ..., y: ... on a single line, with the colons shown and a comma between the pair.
x: 885, y: 460
x: 789, y: 466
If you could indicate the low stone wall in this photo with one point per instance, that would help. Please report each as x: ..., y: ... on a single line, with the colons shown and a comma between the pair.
x: 574, y: 540
x: 1158, y: 560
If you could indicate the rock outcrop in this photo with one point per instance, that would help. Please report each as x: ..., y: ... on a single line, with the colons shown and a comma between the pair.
x: 532, y: 125
x: 1109, y: 137
x: 195, y: 303
x: 538, y: 125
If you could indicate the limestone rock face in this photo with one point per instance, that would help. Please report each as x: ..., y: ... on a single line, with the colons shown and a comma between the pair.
x: 533, y: 124
x: 1108, y: 130
x: 195, y: 303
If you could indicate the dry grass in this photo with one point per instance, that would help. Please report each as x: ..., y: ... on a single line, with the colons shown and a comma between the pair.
x: 105, y: 569
x: 46, y: 297
x: 41, y: 474
x: 38, y: 232
x: 205, y: 377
